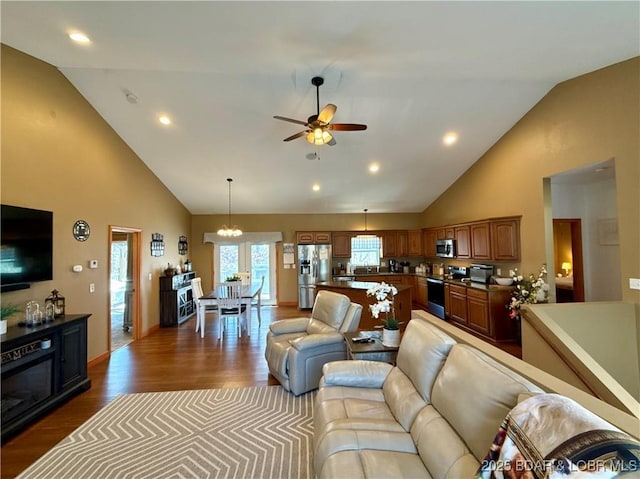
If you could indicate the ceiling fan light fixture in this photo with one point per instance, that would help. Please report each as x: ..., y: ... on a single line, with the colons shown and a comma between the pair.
x: 225, y: 230
x: 319, y: 137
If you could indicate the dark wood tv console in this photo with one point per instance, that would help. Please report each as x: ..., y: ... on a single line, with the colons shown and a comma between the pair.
x: 42, y: 367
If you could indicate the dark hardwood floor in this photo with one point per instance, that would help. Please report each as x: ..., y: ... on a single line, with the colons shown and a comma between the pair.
x: 169, y: 359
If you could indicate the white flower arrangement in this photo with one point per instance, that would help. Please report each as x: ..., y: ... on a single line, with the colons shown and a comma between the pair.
x: 528, y: 291
x: 384, y: 294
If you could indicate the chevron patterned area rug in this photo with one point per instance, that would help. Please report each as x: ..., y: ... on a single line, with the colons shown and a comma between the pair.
x: 258, y: 432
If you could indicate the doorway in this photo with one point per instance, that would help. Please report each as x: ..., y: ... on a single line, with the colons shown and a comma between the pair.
x: 585, y: 199
x: 124, y: 301
x: 568, y: 261
x: 256, y: 258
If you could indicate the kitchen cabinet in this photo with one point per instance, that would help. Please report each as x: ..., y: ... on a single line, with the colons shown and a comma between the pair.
x: 478, y: 310
x: 341, y: 244
x: 414, y: 243
x: 313, y: 237
x: 458, y: 303
x: 389, y: 243
x: 481, y: 311
x: 402, y: 243
x: 463, y: 242
x: 505, y: 239
x: 480, y: 241
x: 420, y: 297
x: 447, y: 301
x: 429, y: 236
x: 495, y: 239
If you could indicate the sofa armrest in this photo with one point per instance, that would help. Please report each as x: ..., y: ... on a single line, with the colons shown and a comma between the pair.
x: 285, y: 326
x: 358, y: 373
x: 316, y: 340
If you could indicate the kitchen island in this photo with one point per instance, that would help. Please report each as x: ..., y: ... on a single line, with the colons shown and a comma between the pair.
x: 357, y: 292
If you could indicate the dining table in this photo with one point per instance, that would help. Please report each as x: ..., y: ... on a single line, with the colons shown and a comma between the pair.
x: 249, y: 293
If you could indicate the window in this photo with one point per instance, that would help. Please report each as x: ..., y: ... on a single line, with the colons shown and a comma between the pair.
x: 366, y: 250
x: 256, y: 258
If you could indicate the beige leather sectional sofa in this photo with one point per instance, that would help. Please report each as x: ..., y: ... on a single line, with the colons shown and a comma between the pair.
x: 434, y: 414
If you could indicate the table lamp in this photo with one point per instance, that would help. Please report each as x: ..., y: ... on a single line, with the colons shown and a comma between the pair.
x: 566, y: 266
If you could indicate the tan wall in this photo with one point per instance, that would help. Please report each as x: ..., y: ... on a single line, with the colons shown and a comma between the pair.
x: 579, y: 122
x: 58, y: 154
x: 202, y: 254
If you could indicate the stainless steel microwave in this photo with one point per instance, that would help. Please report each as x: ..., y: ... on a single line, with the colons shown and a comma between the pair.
x: 446, y: 248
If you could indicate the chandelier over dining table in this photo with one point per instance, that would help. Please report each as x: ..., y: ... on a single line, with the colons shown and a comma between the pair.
x: 228, y: 230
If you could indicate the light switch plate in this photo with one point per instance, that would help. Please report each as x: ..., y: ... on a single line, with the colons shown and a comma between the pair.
x: 634, y: 283
x: 93, y: 264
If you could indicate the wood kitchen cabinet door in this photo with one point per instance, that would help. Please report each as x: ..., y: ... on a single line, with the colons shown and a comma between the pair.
x: 505, y: 239
x: 429, y: 236
x: 458, y: 303
x: 389, y: 244
x: 463, y: 242
x: 402, y: 238
x: 414, y: 247
x: 341, y: 244
x: 313, y: 237
x: 421, y: 297
x: 480, y: 241
x: 478, y: 311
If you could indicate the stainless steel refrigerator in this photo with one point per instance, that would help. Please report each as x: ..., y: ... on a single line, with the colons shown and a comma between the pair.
x: 314, y: 266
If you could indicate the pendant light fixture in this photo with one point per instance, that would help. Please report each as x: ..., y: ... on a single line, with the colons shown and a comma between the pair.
x: 365, y: 234
x: 227, y: 230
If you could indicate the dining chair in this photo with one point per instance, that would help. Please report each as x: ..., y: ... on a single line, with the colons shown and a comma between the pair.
x: 256, y: 301
x: 196, y: 289
x: 229, y: 299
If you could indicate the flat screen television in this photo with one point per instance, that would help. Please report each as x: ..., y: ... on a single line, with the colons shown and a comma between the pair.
x: 26, y: 250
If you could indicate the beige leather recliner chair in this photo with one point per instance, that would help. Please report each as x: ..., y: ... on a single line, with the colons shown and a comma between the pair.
x: 298, y: 348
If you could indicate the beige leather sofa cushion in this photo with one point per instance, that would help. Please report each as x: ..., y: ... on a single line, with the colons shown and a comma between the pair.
x: 445, y: 455
x: 422, y: 353
x: 339, y: 440
x: 403, y: 399
x: 474, y: 393
x: 373, y: 465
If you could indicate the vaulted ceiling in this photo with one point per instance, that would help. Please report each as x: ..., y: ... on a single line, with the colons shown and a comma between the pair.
x: 411, y: 71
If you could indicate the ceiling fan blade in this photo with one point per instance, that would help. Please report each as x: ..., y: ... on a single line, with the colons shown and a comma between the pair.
x: 291, y: 120
x: 346, y: 127
x: 297, y: 135
x: 326, y: 114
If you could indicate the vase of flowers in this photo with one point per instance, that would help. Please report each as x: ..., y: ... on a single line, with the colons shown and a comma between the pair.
x: 384, y: 294
x: 530, y: 290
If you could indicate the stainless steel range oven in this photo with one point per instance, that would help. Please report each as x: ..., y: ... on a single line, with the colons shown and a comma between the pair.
x: 435, y: 296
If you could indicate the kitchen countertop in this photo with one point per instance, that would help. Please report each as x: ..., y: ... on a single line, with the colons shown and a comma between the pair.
x: 364, y: 285
x: 457, y: 282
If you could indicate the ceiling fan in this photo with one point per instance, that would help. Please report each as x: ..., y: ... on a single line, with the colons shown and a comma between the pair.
x: 319, y: 125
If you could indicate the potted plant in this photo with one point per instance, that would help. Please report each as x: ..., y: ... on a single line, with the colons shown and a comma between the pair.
x: 384, y: 294
x: 6, y: 310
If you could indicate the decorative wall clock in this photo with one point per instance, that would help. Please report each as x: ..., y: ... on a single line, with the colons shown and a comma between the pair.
x: 81, y: 230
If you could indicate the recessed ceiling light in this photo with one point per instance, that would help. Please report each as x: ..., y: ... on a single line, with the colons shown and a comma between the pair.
x: 79, y: 37
x: 450, y: 138
x: 316, y: 187
x: 374, y: 167
x: 164, y: 119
